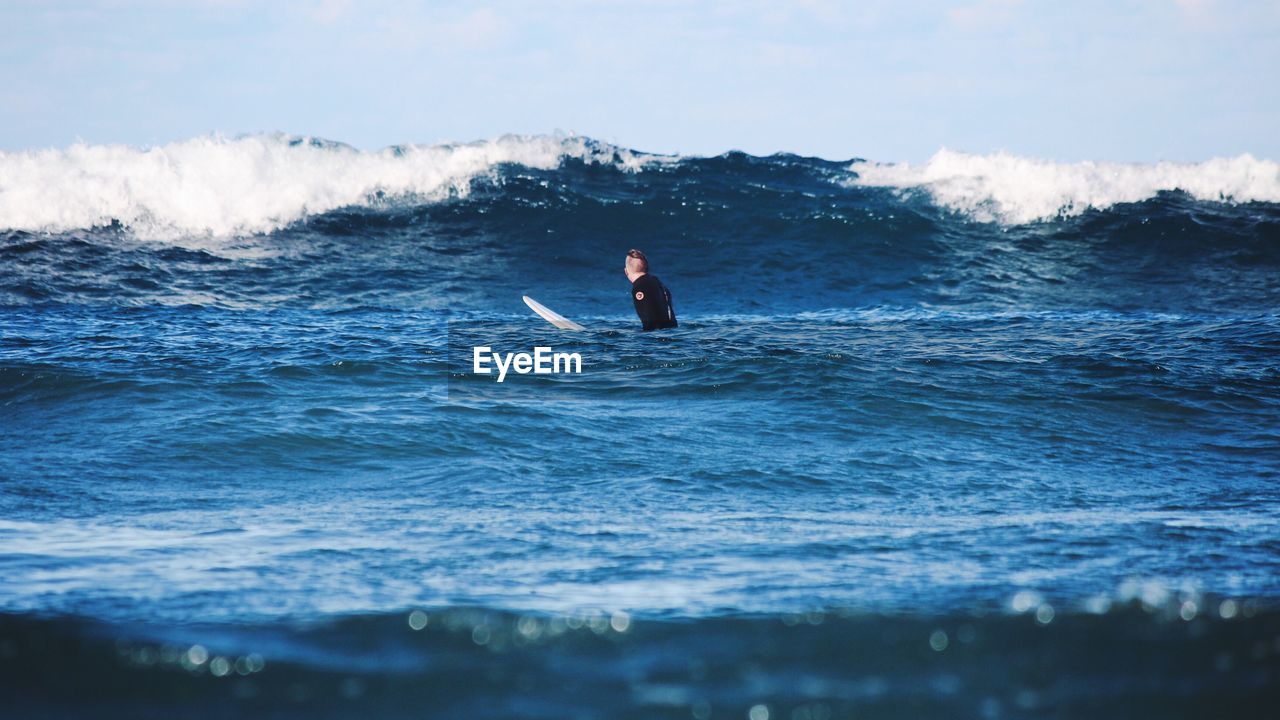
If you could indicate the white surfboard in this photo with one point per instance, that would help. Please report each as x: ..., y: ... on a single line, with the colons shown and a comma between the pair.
x: 551, y: 316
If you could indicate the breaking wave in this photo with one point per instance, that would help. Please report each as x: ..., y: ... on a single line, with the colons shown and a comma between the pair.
x: 217, y: 187
x: 220, y: 187
x: 1009, y: 189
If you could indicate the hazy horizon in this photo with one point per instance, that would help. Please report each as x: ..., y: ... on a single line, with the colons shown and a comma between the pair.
x: 1137, y: 81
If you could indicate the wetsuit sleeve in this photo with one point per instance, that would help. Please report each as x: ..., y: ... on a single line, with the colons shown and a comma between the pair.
x: 650, y: 305
x: 653, y: 304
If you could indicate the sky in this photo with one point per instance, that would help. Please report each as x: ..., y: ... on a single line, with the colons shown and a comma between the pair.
x: 1127, y: 80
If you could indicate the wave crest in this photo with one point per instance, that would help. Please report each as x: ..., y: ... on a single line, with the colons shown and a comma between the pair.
x: 220, y: 187
x: 1015, y: 190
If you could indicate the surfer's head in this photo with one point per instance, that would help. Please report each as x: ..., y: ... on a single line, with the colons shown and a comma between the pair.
x: 637, y: 265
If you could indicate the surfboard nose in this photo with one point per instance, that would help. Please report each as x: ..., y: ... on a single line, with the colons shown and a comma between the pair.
x: 550, y: 315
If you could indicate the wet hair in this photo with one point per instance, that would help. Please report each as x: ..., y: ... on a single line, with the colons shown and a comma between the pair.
x: 642, y: 262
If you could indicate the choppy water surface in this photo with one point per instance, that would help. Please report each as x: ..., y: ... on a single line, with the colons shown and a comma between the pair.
x: 898, y: 405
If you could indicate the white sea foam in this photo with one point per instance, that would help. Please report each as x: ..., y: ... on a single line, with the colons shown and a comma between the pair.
x: 1014, y: 190
x: 219, y: 187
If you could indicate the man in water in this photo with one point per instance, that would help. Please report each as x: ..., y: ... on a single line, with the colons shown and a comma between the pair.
x: 652, y: 298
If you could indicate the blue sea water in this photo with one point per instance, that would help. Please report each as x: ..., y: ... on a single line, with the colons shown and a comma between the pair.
x: 987, y: 437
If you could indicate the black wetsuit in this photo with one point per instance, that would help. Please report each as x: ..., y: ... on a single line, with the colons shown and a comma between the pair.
x: 653, y: 303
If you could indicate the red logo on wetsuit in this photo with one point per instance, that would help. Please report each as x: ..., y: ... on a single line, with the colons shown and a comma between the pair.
x: 640, y: 295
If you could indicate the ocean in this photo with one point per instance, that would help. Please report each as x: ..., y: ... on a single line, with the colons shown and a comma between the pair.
x: 979, y: 437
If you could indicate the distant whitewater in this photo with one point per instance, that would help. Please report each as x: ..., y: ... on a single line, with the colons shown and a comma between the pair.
x: 217, y: 187
x: 1010, y: 189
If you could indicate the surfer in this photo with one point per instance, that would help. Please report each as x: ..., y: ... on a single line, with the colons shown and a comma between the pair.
x: 652, y: 298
